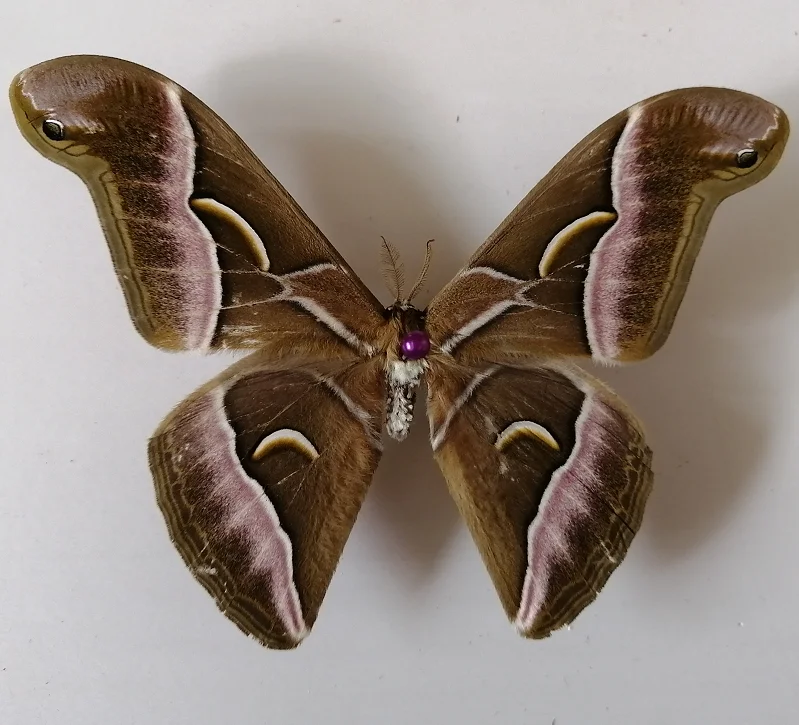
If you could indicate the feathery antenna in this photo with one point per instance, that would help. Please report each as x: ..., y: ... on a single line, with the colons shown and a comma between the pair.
x: 393, y: 270
x: 423, y: 273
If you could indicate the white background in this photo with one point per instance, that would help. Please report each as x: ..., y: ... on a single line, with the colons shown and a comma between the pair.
x: 412, y: 119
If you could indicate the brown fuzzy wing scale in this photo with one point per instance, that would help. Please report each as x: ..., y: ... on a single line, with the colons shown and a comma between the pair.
x: 551, y: 473
x: 260, y: 475
x: 596, y: 259
x: 210, y: 250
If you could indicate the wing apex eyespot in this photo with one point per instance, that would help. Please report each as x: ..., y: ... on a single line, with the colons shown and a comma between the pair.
x: 746, y: 158
x: 53, y: 129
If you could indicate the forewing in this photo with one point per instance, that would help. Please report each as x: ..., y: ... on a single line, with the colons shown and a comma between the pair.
x: 211, y: 251
x: 596, y: 259
x: 260, y: 475
x: 551, y: 473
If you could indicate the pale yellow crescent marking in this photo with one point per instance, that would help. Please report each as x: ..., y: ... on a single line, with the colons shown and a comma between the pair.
x: 285, y: 437
x: 525, y: 428
x: 227, y: 214
x: 565, y: 235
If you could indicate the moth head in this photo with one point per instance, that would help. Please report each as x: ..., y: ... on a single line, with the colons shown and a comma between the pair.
x: 77, y: 109
x: 737, y: 136
x: 409, y: 339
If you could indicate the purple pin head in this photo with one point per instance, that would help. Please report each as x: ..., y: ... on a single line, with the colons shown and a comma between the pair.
x: 415, y: 345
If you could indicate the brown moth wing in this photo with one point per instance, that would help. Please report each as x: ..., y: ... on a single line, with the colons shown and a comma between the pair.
x: 551, y: 473
x: 260, y: 475
x: 211, y: 251
x: 595, y: 260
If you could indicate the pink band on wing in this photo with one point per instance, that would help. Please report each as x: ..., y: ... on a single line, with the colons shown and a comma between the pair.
x: 572, y: 494
x: 249, y: 512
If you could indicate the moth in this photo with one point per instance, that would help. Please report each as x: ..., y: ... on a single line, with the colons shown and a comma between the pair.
x: 261, y: 472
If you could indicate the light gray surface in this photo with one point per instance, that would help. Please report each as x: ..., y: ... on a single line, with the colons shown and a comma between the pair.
x: 412, y: 121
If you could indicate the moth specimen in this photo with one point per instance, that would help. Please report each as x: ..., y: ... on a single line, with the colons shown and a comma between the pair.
x: 261, y: 472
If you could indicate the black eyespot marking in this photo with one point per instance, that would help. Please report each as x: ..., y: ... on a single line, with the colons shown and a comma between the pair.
x: 747, y: 158
x: 54, y: 130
